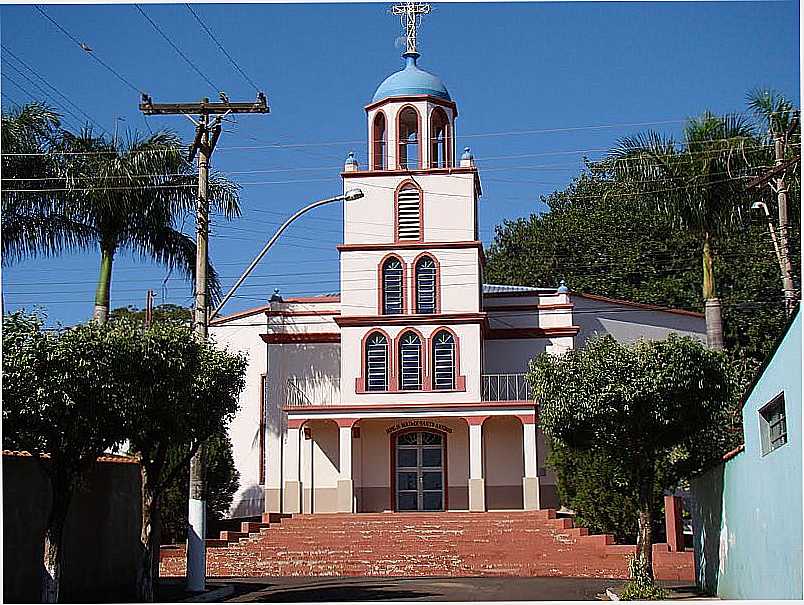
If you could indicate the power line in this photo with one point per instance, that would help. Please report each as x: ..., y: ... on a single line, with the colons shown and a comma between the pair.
x: 176, y: 48
x: 87, y: 50
x: 220, y: 46
x: 49, y: 85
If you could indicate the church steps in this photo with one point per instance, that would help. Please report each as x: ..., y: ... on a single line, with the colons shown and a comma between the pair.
x: 533, y: 543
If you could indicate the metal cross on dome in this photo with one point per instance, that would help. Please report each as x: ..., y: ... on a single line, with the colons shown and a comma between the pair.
x: 410, y: 14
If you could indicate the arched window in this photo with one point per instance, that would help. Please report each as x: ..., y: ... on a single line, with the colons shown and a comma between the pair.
x: 408, y: 138
x: 443, y: 361
x: 379, y: 140
x: 376, y: 355
x: 410, y: 362
x: 408, y: 213
x: 392, y: 287
x: 426, y: 271
x: 440, y: 140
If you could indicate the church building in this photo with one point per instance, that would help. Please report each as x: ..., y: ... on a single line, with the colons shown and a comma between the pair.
x: 406, y: 391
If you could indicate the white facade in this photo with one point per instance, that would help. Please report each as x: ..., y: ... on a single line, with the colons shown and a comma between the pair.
x: 406, y: 391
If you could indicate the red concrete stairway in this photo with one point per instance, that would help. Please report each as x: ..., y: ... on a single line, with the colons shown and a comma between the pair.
x: 516, y: 543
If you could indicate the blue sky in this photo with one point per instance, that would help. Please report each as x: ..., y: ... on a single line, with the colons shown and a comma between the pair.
x: 516, y: 70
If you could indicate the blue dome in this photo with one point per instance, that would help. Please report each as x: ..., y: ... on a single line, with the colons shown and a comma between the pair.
x: 411, y: 81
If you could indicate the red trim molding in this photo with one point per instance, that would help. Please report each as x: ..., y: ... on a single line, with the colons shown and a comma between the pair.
x: 406, y: 245
x: 418, y: 171
x: 395, y: 320
x: 533, y: 307
x: 629, y: 303
x: 413, y: 99
x: 281, y: 338
x: 512, y: 333
x: 357, y: 408
x: 240, y: 315
x: 307, y: 313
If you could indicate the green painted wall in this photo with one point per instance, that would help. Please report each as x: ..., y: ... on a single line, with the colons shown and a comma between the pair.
x: 747, y: 512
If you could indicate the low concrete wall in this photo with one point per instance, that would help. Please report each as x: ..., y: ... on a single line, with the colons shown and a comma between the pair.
x: 101, y: 538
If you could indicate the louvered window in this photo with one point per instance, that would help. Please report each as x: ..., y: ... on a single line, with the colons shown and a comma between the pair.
x: 426, y: 285
x: 376, y: 363
x: 410, y: 362
x: 408, y: 214
x: 392, y: 278
x: 444, y: 361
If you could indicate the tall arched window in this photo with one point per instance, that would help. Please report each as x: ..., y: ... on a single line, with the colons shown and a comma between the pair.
x: 410, y: 362
x: 443, y: 360
x: 408, y: 213
x: 408, y: 137
x: 426, y: 283
x: 376, y: 356
x: 440, y: 143
x: 392, y: 287
x: 379, y: 139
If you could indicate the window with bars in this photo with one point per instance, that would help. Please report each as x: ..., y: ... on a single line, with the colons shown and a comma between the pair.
x: 773, y: 425
x: 425, y: 285
x: 392, y: 287
x: 443, y: 361
x: 410, y: 362
x: 408, y: 214
x: 376, y: 369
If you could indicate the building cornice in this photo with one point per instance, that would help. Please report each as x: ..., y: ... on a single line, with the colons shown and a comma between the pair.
x: 409, y: 319
x: 405, y: 172
x: 413, y: 99
x: 407, y: 407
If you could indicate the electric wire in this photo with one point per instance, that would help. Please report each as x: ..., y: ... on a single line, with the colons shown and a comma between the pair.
x: 91, y: 53
x: 220, y: 46
x: 176, y: 48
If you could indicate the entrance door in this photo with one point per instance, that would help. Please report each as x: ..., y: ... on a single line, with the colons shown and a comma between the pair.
x: 419, y: 471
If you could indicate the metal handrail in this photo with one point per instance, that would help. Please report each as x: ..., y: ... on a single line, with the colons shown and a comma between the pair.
x: 505, y: 387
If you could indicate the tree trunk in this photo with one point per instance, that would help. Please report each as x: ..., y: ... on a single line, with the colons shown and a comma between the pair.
x: 101, y: 311
x: 644, y: 552
x: 53, y: 553
x: 148, y: 572
x: 712, y: 314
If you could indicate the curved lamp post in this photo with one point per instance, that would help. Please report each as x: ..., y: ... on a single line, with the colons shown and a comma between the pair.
x: 352, y: 194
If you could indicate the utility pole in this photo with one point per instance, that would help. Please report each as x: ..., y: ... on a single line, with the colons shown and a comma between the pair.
x: 777, y: 176
x: 784, y: 246
x: 206, y: 137
x: 149, y: 307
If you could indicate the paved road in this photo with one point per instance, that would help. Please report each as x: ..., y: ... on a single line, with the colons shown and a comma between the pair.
x: 290, y: 590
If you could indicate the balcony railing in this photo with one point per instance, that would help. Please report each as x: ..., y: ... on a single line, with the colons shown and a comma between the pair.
x: 505, y: 387
x: 303, y: 393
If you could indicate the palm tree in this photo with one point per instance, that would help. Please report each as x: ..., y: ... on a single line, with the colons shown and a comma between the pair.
x: 697, y: 184
x: 36, y: 221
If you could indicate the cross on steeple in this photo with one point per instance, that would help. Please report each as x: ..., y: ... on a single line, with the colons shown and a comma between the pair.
x: 410, y: 15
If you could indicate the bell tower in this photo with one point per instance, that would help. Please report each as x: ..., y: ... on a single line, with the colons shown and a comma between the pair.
x: 411, y: 260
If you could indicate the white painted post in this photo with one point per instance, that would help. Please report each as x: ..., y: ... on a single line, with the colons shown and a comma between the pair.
x: 292, y: 488
x: 345, y: 486
x: 530, y: 482
x: 477, y: 484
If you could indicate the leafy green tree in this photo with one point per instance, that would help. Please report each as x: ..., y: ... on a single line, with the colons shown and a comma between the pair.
x: 650, y: 408
x: 183, y: 390
x: 223, y: 480
x: 133, y: 195
x: 64, y: 400
x: 35, y: 221
x: 163, y: 312
x: 601, y: 239
x: 695, y: 185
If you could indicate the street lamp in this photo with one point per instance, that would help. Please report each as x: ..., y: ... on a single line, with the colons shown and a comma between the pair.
x: 352, y: 194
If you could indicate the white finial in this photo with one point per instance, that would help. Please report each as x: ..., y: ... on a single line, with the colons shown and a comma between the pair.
x: 410, y: 15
